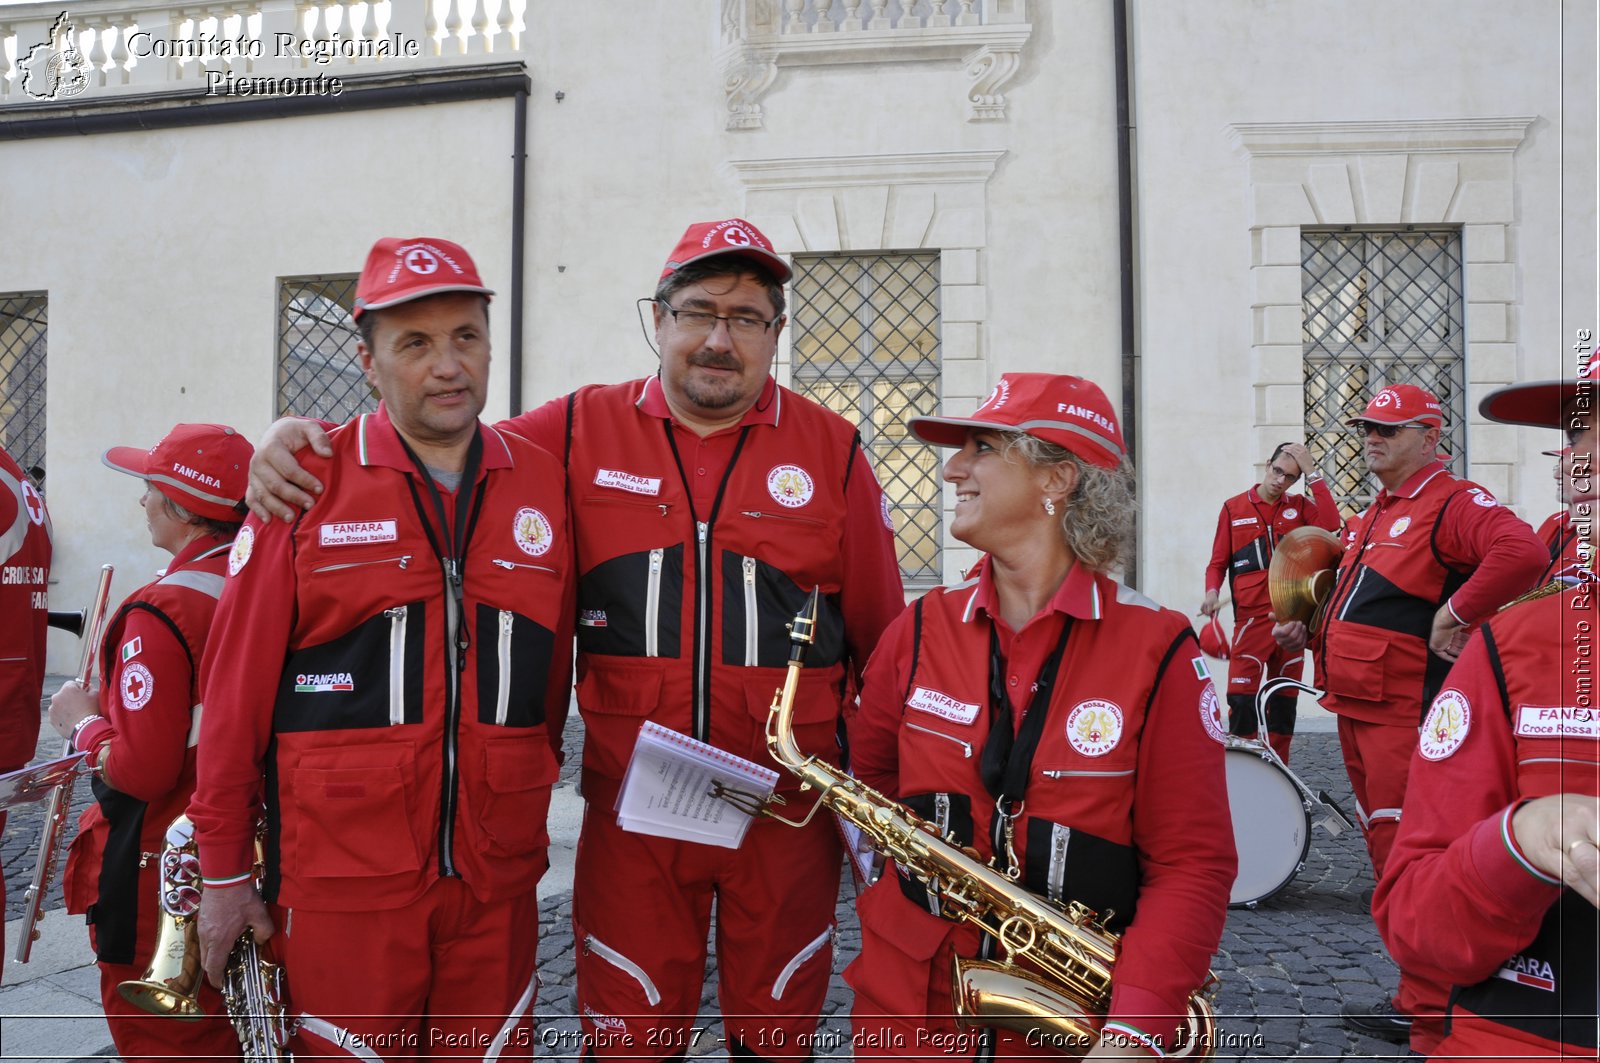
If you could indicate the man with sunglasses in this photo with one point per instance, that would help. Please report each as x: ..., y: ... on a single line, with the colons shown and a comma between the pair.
x: 1430, y: 557
x: 1248, y: 529
x: 706, y: 503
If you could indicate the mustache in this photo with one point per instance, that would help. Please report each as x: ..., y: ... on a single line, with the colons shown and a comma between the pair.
x: 713, y: 360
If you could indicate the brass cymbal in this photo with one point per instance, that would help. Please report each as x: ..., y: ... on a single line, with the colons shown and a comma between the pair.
x: 1302, y: 572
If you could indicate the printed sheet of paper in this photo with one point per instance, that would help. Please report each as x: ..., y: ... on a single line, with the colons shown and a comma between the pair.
x: 669, y: 790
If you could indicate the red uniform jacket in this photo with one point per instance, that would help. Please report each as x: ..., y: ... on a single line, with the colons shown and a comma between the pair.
x: 1516, y: 720
x: 683, y: 607
x: 1132, y: 709
x: 406, y: 732
x: 150, y: 660
x: 1566, y: 547
x: 1248, y: 530
x: 24, y: 584
x: 1435, y: 540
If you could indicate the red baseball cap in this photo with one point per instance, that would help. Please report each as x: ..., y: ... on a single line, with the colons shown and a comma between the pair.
x: 1539, y: 403
x: 399, y: 270
x: 1402, y: 404
x: 202, y: 467
x: 1559, y: 453
x: 1068, y: 411
x: 733, y: 237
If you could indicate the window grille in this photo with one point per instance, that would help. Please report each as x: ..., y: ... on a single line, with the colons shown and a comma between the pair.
x: 319, y: 374
x: 24, y: 333
x: 866, y: 345
x: 1379, y: 308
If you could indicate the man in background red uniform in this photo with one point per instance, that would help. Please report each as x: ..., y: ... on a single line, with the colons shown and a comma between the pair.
x: 1429, y: 559
x: 1569, y: 550
x: 1248, y: 530
x: 25, y: 562
x: 1502, y: 815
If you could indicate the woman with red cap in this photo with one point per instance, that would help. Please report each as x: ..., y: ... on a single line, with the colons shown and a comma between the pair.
x: 1050, y: 718
x: 138, y: 728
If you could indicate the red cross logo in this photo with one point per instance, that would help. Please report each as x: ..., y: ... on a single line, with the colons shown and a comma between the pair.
x: 737, y: 236
x: 133, y: 687
x: 420, y: 261
x: 35, y: 504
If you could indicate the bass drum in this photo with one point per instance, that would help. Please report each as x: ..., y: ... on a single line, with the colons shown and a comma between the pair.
x: 1271, y: 824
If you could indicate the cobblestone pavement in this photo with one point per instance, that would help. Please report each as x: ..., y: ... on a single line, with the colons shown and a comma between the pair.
x: 1284, y: 968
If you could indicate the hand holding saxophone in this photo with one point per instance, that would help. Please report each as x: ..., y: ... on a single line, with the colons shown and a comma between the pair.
x: 225, y: 914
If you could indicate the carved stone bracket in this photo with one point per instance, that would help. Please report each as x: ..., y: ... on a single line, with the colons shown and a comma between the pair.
x: 747, y: 76
x: 990, y: 68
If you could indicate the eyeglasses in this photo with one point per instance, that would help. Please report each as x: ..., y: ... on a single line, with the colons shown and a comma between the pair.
x: 1386, y: 431
x: 700, y: 323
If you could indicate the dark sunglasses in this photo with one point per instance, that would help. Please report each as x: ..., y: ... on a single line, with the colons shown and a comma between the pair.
x: 1386, y: 431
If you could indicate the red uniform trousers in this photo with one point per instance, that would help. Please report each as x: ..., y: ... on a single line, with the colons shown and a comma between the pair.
x: 142, y: 1035
x: 639, y: 995
x: 446, y: 977
x: 1254, y: 658
x: 1378, y: 758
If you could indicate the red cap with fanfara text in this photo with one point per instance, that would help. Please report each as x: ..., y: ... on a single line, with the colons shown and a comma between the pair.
x: 1068, y: 411
x: 400, y: 270
x: 733, y: 238
x: 1402, y: 404
x: 202, y: 467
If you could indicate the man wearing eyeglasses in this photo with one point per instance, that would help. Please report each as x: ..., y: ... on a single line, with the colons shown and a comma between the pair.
x: 1431, y: 557
x: 1248, y: 530
x: 706, y: 503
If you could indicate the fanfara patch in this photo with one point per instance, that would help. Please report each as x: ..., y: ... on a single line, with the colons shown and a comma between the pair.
x: 1211, y: 713
x: 1557, y: 722
x: 1291, y: 513
x: 137, y: 686
x: 1446, y: 726
x: 592, y: 618
x: 888, y: 513
x: 355, y: 532
x: 1529, y: 971
x: 942, y: 705
x: 324, y: 683
x: 790, y: 486
x: 1399, y: 527
x: 627, y: 481
x: 243, y: 543
x: 1094, y: 727
x: 532, y: 531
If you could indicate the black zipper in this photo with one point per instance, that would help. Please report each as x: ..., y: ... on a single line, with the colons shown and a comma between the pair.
x: 700, y: 673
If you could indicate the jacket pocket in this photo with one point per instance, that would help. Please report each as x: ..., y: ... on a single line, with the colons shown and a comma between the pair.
x: 1355, y: 663
x: 815, y: 721
x: 630, y: 606
x: 899, y: 970
x: 517, y: 774
x: 758, y: 603
x: 513, y: 667
x: 371, y: 676
x: 615, y: 699
x: 353, y: 809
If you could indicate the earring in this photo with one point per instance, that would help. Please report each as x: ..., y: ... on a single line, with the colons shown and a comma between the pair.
x: 1049, y: 507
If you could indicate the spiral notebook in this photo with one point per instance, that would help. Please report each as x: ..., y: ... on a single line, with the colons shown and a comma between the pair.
x: 668, y: 789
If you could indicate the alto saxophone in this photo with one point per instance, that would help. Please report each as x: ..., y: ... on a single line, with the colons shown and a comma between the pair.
x: 252, y: 986
x: 1055, y: 979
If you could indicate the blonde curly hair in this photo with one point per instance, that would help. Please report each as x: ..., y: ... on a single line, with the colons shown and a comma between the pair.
x: 1098, y: 518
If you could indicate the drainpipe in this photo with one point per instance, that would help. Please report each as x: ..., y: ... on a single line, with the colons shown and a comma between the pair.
x: 519, y: 185
x: 1130, y: 353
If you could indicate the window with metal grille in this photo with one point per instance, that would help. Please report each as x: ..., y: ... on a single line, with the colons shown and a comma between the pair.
x: 319, y: 374
x: 866, y: 345
x: 24, y: 321
x: 1379, y: 308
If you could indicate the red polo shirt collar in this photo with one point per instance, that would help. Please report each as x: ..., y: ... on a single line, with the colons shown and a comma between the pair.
x: 652, y: 401
x: 1079, y: 595
x: 378, y: 443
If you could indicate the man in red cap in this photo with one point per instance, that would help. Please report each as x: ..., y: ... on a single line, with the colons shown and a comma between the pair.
x: 1428, y: 560
x: 139, y: 734
x: 1502, y: 814
x: 390, y: 672
x: 706, y: 502
x: 25, y: 547
x: 1248, y: 530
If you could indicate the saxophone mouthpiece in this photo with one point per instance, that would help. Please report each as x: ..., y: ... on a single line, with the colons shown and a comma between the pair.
x: 803, y: 631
